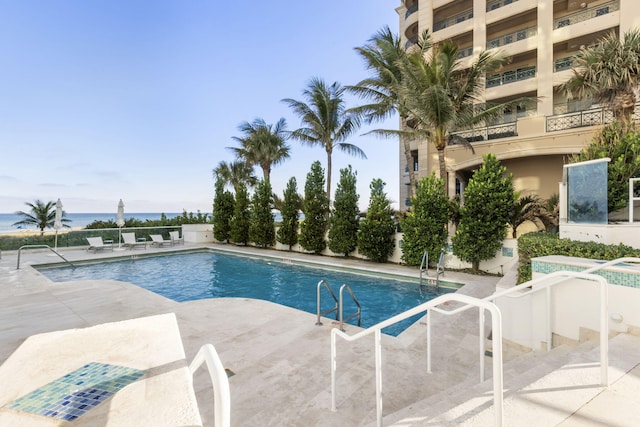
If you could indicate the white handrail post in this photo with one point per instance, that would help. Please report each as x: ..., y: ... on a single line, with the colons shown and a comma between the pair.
x: 496, y: 327
x: 604, y: 332
x: 481, y: 341
x: 333, y: 370
x: 630, y: 200
x: 378, y: 345
x: 429, y: 341
x: 549, y: 332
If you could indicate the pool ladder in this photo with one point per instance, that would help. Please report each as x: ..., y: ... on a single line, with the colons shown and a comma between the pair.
x: 339, y: 303
x: 424, y: 268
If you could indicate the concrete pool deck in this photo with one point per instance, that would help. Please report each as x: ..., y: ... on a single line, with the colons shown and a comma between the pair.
x: 279, y: 358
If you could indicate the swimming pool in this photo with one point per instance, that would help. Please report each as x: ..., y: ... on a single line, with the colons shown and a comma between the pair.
x: 193, y: 276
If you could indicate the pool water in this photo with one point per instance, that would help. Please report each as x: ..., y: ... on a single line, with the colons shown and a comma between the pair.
x: 193, y: 276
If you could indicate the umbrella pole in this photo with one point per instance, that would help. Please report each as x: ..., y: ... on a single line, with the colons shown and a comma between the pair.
x: 119, y: 237
x: 56, y: 240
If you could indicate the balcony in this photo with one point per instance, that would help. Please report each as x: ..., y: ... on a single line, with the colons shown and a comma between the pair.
x: 512, y: 37
x: 496, y: 4
x: 592, y: 117
x: 562, y: 64
x: 512, y: 76
x: 456, y: 19
x: 411, y: 10
x: 413, y: 40
x: 465, y: 52
x: 504, y: 130
x: 584, y: 15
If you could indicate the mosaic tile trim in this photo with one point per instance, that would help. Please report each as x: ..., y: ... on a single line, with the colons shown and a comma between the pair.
x: 614, y: 277
x: 74, y: 394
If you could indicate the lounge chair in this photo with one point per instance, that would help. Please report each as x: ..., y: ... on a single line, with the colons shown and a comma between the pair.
x: 158, y: 240
x: 131, y: 242
x: 97, y: 244
x: 175, y: 237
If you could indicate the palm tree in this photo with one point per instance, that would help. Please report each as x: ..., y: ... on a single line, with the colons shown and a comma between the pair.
x: 525, y: 208
x: 609, y: 72
x: 262, y: 144
x: 326, y: 121
x: 234, y: 174
x: 383, y: 56
x: 439, y: 96
x: 42, y: 215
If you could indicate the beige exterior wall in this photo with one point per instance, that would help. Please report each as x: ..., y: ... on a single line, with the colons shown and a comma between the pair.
x: 536, y: 155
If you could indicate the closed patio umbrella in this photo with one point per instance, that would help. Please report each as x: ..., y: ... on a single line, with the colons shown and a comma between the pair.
x: 120, y: 222
x: 57, y: 224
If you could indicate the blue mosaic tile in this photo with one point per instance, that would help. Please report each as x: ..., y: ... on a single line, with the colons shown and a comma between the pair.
x: 613, y: 277
x: 507, y: 252
x: 72, y: 395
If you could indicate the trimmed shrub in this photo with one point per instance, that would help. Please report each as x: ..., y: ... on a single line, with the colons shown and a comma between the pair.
x: 343, y: 231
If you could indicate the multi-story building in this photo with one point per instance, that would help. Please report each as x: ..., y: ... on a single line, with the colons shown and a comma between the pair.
x: 541, y: 36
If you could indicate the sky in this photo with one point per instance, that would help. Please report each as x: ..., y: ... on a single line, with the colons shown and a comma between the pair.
x: 104, y: 100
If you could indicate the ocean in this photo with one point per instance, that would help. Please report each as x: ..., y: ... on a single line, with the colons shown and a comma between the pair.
x: 78, y: 220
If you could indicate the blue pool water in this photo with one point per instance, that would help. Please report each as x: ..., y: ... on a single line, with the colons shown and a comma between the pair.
x: 193, y: 276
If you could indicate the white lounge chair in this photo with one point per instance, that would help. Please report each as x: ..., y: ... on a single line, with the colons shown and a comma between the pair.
x: 97, y: 244
x: 175, y: 237
x: 158, y: 240
x: 131, y: 242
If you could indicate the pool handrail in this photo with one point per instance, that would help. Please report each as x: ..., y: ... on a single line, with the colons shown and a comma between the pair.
x: 219, y: 380
x: 41, y: 247
x: 496, y: 321
x: 323, y: 283
x: 358, y: 312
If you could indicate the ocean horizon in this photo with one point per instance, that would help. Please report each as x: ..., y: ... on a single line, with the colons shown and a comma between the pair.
x: 80, y: 220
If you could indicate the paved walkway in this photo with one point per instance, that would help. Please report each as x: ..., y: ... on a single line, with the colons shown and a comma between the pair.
x: 279, y: 358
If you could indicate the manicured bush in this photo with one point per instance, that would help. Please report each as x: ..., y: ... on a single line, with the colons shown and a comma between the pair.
x: 532, y: 245
x: 288, y: 231
x: 483, y: 222
x: 240, y: 221
x: 425, y: 227
x: 377, y: 229
x: 222, y: 213
x: 262, y: 227
x: 343, y: 223
x: 316, y: 209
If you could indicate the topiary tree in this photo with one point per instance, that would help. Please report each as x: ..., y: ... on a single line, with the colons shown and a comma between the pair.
x: 222, y: 212
x: 425, y: 227
x: 375, y: 236
x: 343, y: 223
x: 315, y: 208
x: 488, y: 200
x: 288, y: 232
x: 262, y: 227
x: 241, y: 217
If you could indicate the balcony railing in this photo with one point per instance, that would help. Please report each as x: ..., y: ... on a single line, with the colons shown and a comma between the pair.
x: 511, y: 76
x: 592, y: 117
x: 456, y: 19
x: 496, y: 4
x: 411, y: 10
x: 584, y: 15
x: 512, y: 37
x: 563, y: 64
x: 487, y: 133
x: 413, y: 40
x: 575, y: 105
x: 465, y: 52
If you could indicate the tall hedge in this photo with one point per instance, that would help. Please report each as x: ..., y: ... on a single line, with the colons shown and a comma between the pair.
x: 343, y: 223
x: 222, y: 213
x: 241, y: 217
x: 377, y: 230
x: 488, y: 199
x: 316, y: 209
x: 262, y: 228
x: 425, y: 227
x: 288, y: 231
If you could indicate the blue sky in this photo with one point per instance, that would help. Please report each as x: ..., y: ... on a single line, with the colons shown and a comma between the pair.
x: 108, y: 99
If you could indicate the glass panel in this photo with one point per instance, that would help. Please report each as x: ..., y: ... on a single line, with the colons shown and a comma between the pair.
x: 587, y: 193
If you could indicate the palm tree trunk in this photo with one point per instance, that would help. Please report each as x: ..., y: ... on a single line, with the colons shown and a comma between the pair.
x: 329, y: 177
x: 406, y: 143
x: 443, y: 170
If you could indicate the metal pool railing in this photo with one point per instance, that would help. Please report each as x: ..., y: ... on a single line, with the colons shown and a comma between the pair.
x: 41, y: 247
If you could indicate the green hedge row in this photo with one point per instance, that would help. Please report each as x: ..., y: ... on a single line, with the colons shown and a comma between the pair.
x: 532, y: 245
x: 75, y: 238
